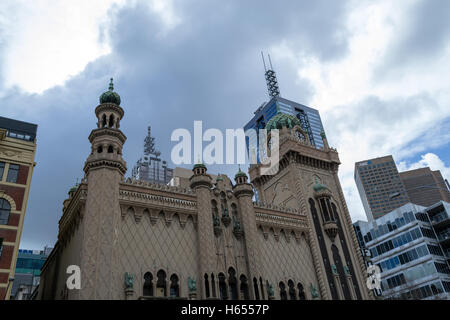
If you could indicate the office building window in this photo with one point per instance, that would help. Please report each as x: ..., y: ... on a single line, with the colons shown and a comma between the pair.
x: 13, y: 173
x: 1, y: 246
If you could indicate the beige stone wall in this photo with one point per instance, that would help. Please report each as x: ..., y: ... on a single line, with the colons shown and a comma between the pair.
x: 285, y: 260
x: 145, y: 247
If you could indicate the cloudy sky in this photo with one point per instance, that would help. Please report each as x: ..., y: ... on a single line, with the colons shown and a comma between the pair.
x: 376, y: 71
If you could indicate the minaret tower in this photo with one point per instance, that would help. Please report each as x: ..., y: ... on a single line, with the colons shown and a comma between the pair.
x: 200, y: 182
x: 244, y: 193
x: 104, y: 170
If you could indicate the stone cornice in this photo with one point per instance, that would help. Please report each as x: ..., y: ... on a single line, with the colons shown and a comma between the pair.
x: 273, y: 208
x: 203, y: 180
x: 244, y: 189
x: 142, y: 186
x: 107, y: 107
x: 107, y: 132
x: 296, y: 156
x: 281, y: 221
x: 146, y: 199
x: 105, y: 163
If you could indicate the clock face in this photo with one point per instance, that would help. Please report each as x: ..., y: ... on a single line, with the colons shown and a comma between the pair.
x: 300, y: 135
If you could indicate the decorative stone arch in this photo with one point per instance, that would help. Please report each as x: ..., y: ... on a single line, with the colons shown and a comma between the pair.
x: 285, y: 234
x: 176, y: 217
x: 174, y: 288
x: 264, y: 231
x: 223, y: 288
x: 147, y: 288
x: 111, y: 121
x: 291, y: 290
x: 103, y: 121
x: 11, y: 201
x: 244, y: 290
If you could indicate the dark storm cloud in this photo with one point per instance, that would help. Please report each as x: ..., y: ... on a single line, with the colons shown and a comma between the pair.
x: 206, y: 68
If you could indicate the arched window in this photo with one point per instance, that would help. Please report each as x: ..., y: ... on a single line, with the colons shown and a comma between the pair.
x: 244, y: 287
x: 222, y: 287
x: 214, y: 206
x: 110, y: 149
x: 232, y: 282
x: 292, y: 295
x: 223, y: 202
x: 255, y: 287
x: 263, y: 295
x: 174, y: 286
x: 283, y: 294
x: 340, y: 269
x: 148, y: 284
x: 234, y: 210
x: 161, y: 283
x: 206, y: 286
x: 99, y: 149
x: 215, y: 211
x: 325, y: 212
x: 213, y: 285
x: 111, y: 121
x: 104, y: 121
x: 301, y: 292
x: 5, y: 209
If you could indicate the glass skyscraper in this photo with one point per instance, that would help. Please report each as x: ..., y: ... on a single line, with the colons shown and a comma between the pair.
x: 309, y: 118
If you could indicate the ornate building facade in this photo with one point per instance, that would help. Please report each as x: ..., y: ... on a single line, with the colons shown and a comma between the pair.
x: 17, y: 152
x: 206, y: 238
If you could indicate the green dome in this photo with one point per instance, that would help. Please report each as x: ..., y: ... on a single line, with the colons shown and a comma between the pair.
x: 199, y: 165
x: 110, y: 96
x: 282, y: 120
x: 240, y: 174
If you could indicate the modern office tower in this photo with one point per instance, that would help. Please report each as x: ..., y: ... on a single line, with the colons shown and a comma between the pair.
x: 150, y: 167
x: 17, y: 151
x: 309, y: 118
x: 28, y: 271
x: 380, y: 187
x: 424, y: 186
x: 403, y: 243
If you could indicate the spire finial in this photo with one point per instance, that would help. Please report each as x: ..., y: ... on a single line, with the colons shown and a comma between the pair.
x: 111, y: 85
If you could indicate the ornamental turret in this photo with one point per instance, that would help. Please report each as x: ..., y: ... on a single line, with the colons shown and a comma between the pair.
x: 107, y: 140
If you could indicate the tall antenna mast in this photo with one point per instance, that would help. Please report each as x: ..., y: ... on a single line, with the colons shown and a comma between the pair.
x: 149, y: 143
x: 271, y: 78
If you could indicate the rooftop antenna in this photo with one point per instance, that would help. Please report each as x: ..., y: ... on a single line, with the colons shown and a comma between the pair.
x: 149, y: 143
x: 271, y: 78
